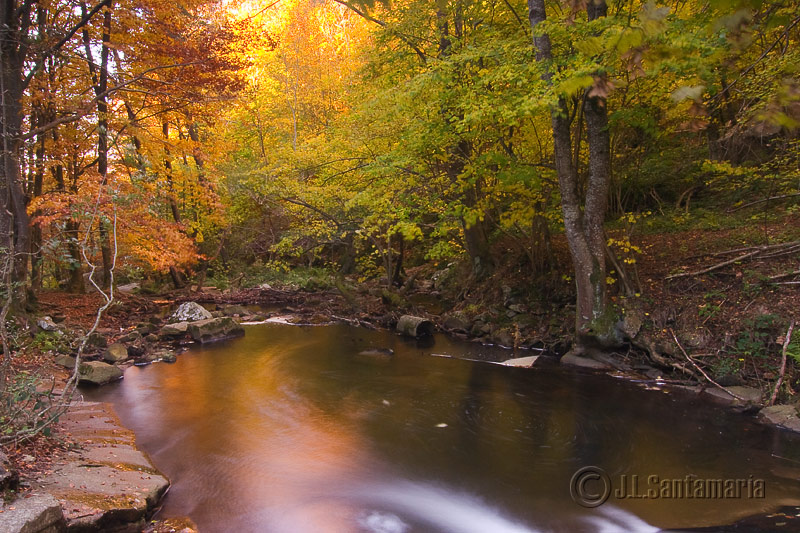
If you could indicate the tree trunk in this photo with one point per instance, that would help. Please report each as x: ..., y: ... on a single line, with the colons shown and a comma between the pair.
x: 594, y: 322
x: 75, y: 283
x: 100, y: 83
x: 14, y: 221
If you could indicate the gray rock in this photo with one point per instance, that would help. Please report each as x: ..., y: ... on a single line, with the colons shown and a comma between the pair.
x: 115, y: 353
x: 46, y: 323
x: 146, y: 328
x: 160, y: 355
x: 151, y: 337
x: 177, y: 329
x: 750, y: 395
x: 9, y: 478
x: 518, y: 308
x: 67, y: 361
x: 503, y: 337
x: 190, y: 311
x: 214, y: 329
x: 98, y: 373
x: 106, y: 484
x: 97, y: 340
x: 456, y: 323
x: 235, y: 310
x: 133, y: 336
x: 781, y: 415
x: 414, y: 326
x: 38, y: 514
x: 129, y: 287
x: 573, y: 359
x: 524, y: 362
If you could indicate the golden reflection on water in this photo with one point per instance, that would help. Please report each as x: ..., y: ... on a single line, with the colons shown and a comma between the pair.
x: 287, y: 429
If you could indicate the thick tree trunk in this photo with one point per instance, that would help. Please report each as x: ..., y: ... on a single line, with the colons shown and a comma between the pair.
x: 14, y: 220
x: 583, y: 228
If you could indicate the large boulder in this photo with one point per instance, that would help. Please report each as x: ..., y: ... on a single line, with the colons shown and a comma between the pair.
x: 98, y: 373
x: 189, y: 312
x: 215, y: 329
x: 115, y: 353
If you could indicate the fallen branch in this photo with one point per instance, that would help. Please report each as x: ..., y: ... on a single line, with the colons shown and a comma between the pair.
x: 776, y: 250
x: 781, y: 197
x: 786, y: 341
x: 705, y: 375
x: 714, y: 267
x: 786, y: 275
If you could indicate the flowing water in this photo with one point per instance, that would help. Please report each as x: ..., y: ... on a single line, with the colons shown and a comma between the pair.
x: 293, y: 430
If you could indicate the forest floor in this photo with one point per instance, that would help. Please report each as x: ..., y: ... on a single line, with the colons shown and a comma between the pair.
x: 730, y: 320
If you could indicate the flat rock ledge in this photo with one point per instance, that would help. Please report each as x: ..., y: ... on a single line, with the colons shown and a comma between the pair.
x: 106, y: 484
x: 785, y: 416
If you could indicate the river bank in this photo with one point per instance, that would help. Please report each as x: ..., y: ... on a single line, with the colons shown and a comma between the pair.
x: 133, y: 332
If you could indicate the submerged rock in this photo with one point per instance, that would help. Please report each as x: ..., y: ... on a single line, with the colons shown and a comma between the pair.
x: 190, y: 311
x: 377, y: 352
x: 98, y: 373
x: 215, y: 329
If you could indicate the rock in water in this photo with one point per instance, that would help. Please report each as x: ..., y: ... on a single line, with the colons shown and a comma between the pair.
x: 115, y: 353
x: 781, y: 415
x: 190, y: 311
x: 215, y: 329
x: 414, y: 326
x: 98, y: 373
x: 235, y: 310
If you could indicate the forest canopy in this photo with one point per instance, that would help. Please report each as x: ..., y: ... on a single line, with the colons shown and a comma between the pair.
x: 202, y: 138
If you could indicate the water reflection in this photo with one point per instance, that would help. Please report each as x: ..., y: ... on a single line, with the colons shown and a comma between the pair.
x: 292, y: 429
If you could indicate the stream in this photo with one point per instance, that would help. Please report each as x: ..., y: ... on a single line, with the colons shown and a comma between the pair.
x: 293, y: 429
